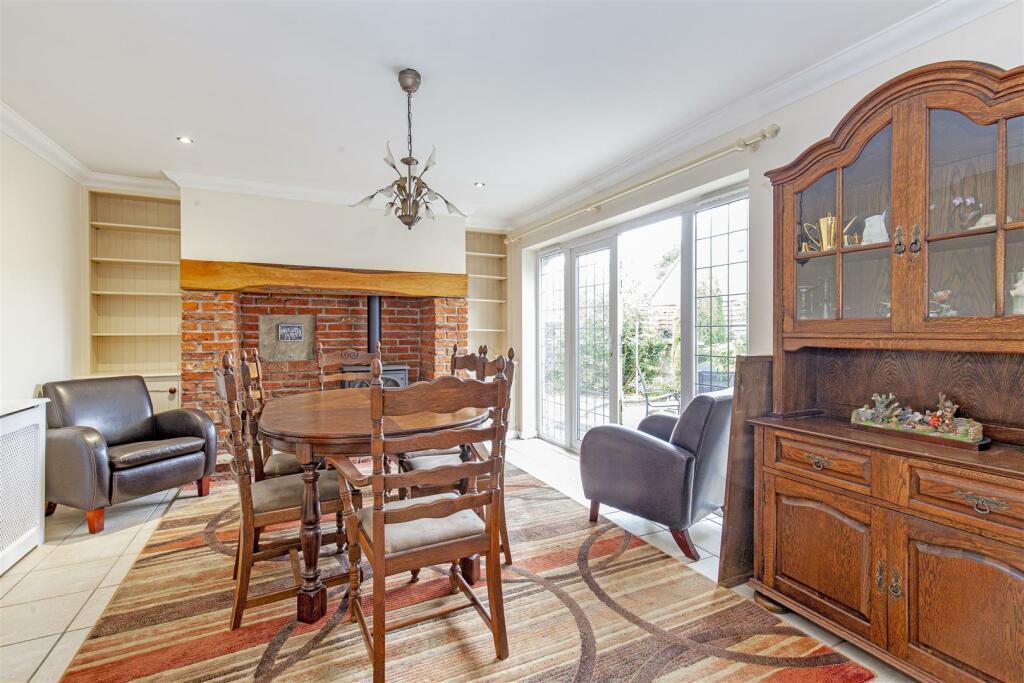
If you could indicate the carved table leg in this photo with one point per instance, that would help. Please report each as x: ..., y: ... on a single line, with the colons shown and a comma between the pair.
x: 312, y: 597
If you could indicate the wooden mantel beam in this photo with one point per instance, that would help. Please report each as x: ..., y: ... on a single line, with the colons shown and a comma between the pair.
x: 234, y: 276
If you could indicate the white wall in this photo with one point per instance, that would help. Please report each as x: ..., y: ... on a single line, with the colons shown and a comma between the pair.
x: 43, y: 247
x: 996, y: 38
x: 224, y: 226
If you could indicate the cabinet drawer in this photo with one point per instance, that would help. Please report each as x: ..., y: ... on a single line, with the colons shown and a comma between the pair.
x: 164, y: 392
x: 822, y: 461
x: 973, y: 497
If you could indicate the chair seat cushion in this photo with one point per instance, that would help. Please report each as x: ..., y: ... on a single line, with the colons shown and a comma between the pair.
x: 144, y: 452
x: 280, y: 464
x: 419, y: 533
x: 282, y: 493
x: 429, y: 462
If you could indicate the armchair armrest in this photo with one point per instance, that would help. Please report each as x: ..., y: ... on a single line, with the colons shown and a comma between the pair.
x: 659, y: 425
x: 189, y: 422
x: 349, y: 472
x: 637, y: 472
x: 77, y: 468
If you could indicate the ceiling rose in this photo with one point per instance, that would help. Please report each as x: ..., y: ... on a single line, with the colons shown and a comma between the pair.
x: 409, y: 194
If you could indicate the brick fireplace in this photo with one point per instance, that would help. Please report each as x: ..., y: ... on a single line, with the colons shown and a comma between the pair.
x: 415, y: 331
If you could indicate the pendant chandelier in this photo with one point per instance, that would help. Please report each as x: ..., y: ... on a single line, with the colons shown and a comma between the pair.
x: 409, y: 194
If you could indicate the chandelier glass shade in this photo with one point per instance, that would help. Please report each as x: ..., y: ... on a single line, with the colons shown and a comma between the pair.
x: 409, y: 195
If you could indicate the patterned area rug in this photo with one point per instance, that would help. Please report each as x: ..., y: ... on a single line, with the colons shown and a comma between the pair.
x: 583, y: 602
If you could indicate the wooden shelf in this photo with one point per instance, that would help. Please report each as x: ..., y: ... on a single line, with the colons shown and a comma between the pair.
x: 485, y: 254
x: 487, y: 301
x: 487, y: 277
x: 171, y: 294
x: 137, y: 334
x: 125, y: 227
x: 137, y: 261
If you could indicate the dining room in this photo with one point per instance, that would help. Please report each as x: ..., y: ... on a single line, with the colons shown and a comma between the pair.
x: 511, y: 341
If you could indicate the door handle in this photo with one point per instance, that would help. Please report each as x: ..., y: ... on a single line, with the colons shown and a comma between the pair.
x: 915, y: 240
x: 895, y: 590
x: 898, y: 245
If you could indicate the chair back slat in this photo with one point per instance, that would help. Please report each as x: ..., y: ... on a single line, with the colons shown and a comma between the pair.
x: 226, y: 384
x: 446, y: 394
x: 469, y: 362
x: 332, y: 364
x: 439, y: 475
x: 438, y: 440
x: 437, y: 508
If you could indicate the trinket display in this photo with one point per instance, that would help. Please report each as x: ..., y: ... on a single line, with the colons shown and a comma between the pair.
x: 942, y: 423
x: 1017, y: 292
x: 874, y: 229
x: 939, y: 304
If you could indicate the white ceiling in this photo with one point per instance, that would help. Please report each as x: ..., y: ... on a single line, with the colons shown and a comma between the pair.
x: 532, y: 98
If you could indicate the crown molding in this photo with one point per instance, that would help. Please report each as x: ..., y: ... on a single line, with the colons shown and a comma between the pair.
x: 903, y: 36
x: 17, y: 127
x: 198, y: 181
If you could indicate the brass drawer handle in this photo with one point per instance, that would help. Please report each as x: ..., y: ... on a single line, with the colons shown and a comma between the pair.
x: 982, y: 504
x: 894, y: 588
x: 915, y: 242
x: 898, y: 245
x: 818, y: 462
x: 880, y: 577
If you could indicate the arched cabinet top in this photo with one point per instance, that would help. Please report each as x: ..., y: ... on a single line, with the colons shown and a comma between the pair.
x: 986, y: 82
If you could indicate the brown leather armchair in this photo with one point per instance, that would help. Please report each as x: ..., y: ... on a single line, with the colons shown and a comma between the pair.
x: 105, y: 445
x: 670, y: 470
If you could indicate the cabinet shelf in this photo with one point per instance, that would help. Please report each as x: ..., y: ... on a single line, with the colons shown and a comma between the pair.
x: 483, y: 329
x: 127, y: 227
x: 486, y: 254
x: 481, y: 276
x: 487, y: 301
x: 135, y: 261
x: 167, y: 294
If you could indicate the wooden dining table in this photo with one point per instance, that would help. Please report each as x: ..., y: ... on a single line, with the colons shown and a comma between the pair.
x: 335, y: 422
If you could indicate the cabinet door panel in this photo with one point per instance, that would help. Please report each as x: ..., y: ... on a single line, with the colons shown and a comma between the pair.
x: 960, y: 613
x: 823, y: 550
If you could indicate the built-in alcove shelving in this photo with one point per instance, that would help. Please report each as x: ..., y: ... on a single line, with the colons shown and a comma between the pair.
x: 486, y: 266
x: 135, y: 299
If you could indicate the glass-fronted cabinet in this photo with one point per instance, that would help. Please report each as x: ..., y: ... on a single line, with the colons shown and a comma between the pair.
x: 908, y: 224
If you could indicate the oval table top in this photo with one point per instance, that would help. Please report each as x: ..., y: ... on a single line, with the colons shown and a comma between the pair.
x: 342, y: 416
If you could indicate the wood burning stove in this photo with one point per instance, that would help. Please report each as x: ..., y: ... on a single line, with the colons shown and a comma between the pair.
x: 393, y: 374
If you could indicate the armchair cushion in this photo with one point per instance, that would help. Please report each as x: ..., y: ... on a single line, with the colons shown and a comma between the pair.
x: 281, y: 464
x: 144, y: 452
x: 418, y: 533
x: 636, y: 472
x: 429, y: 462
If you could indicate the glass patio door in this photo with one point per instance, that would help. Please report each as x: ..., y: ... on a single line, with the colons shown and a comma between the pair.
x: 594, y: 337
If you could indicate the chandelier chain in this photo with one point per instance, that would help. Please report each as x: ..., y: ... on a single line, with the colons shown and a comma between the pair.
x: 409, y: 119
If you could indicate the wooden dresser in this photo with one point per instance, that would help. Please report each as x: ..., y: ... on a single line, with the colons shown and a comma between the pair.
x: 899, y: 251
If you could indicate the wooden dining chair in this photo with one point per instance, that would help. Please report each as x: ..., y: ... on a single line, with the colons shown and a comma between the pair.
x: 266, y: 462
x: 483, y: 369
x: 397, y: 536
x: 263, y: 503
x: 333, y: 363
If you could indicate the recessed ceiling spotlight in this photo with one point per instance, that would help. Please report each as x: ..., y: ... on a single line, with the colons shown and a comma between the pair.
x: 479, y: 184
x: 185, y: 140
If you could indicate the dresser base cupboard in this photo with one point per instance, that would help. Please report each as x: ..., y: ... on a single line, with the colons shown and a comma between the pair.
x: 899, y: 251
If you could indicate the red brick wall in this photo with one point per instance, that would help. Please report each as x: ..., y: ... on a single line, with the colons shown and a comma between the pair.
x: 418, y: 332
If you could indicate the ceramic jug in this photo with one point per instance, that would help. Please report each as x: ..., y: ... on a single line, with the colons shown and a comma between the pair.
x: 874, y: 229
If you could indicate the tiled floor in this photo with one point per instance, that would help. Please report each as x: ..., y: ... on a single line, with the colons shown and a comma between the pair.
x: 53, y: 596
x: 560, y: 469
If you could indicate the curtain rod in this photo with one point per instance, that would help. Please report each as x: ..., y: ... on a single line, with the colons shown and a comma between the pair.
x: 752, y: 143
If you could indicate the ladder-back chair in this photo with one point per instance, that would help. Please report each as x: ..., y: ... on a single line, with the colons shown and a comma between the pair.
x: 333, y: 363
x: 398, y: 536
x: 266, y: 463
x: 266, y: 502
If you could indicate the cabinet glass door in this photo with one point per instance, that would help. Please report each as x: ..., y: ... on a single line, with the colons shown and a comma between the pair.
x: 816, y: 238
x: 962, y: 218
x: 1013, y: 296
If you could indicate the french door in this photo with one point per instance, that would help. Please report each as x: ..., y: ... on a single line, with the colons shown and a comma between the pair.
x: 579, y: 360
